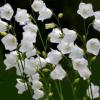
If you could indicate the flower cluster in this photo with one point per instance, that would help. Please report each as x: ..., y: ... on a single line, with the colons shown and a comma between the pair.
x: 30, y: 62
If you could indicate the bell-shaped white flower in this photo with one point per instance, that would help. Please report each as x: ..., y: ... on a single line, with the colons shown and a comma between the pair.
x: 30, y: 27
x: 22, y: 16
x: 95, y: 91
x: 44, y: 13
x: 79, y: 62
x: 36, y: 84
x: 6, y: 11
x: 21, y: 86
x: 37, y: 5
x: 93, y: 46
x: 29, y: 67
x: 11, y: 60
x: 58, y: 73
x: 76, y: 52
x: 84, y: 72
x: 29, y: 36
x: 65, y: 47
x: 54, y: 57
x: 85, y: 10
x: 69, y: 35
x: 81, y: 65
x: 3, y: 26
x: 10, y: 42
x: 96, y: 25
x: 55, y: 36
x: 38, y: 94
x: 26, y: 46
x: 40, y: 62
x: 31, y: 53
x: 36, y: 76
x: 97, y: 15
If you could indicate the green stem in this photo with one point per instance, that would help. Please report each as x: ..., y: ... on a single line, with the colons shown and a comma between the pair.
x: 38, y: 31
x: 61, y: 91
x: 58, y: 90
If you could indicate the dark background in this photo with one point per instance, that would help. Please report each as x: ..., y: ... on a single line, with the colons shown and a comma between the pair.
x: 70, y: 20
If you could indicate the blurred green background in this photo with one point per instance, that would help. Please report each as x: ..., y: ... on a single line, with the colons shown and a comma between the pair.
x: 70, y: 20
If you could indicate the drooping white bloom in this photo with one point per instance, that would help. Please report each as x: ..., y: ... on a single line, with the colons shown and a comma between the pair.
x: 29, y: 67
x: 85, y: 10
x: 11, y: 60
x: 44, y: 13
x: 54, y: 57
x: 31, y: 53
x: 29, y: 36
x: 36, y: 76
x: 95, y: 91
x: 58, y: 73
x: 97, y: 15
x: 37, y: 5
x: 93, y: 46
x: 22, y: 16
x: 65, y: 47
x: 36, y: 84
x: 79, y: 62
x: 3, y: 26
x: 21, y: 86
x: 55, y: 35
x: 40, y: 62
x: 26, y: 46
x: 76, y: 52
x: 69, y: 35
x: 84, y: 72
x: 6, y: 11
x: 96, y: 24
x: 30, y: 27
x: 81, y: 65
x: 10, y: 42
x: 38, y: 94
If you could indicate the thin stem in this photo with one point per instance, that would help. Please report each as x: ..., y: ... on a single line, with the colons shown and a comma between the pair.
x: 38, y: 31
x: 57, y: 19
x: 58, y: 90
x: 61, y: 91
x: 74, y: 96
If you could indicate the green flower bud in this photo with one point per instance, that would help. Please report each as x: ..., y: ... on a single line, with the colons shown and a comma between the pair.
x: 60, y: 15
x: 3, y: 33
x: 50, y: 25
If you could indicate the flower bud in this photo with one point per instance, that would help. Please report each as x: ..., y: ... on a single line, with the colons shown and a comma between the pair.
x: 50, y: 25
x: 60, y: 15
x: 3, y: 33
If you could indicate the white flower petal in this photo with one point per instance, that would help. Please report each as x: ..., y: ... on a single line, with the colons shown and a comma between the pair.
x: 93, y: 46
x: 44, y: 13
x: 85, y: 10
x: 37, y: 5
x: 76, y: 52
x: 55, y: 35
x: 58, y: 73
x: 65, y: 47
x: 10, y: 42
x: 95, y: 91
x: 54, y: 57
x: 6, y: 11
x: 21, y: 86
x: 96, y: 24
x: 38, y: 94
x: 22, y: 16
x: 69, y: 35
x: 3, y: 26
